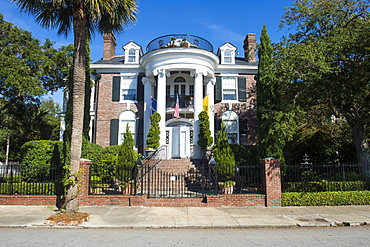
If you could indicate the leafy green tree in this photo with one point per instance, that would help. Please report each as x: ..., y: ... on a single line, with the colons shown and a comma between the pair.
x: 224, y: 155
x: 126, y: 159
x: 275, y: 121
x: 84, y: 17
x: 205, y: 138
x: 28, y: 70
x: 326, y: 61
x: 153, y: 138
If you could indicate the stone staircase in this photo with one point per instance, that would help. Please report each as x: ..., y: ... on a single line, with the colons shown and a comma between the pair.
x: 171, y: 178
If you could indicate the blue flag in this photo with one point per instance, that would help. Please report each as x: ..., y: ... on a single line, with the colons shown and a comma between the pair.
x: 153, y: 105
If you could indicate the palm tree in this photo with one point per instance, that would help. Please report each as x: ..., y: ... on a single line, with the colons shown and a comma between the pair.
x: 84, y: 17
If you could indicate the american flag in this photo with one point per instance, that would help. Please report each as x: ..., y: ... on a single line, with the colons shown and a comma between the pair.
x: 176, y: 114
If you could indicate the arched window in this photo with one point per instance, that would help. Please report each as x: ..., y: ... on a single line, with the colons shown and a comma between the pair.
x: 231, y: 120
x: 179, y: 79
x: 127, y: 118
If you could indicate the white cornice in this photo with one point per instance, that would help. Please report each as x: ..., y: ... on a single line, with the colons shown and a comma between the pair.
x: 179, y: 58
x: 247, y: 69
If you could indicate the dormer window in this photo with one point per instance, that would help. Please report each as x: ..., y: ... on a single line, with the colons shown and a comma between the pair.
x: 227, y: 53
x: 132, y: 53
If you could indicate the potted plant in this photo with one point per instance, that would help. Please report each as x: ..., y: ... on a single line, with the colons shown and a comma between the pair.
x: 128, y: 188
x: 184, y: 43
x: 227, y: 187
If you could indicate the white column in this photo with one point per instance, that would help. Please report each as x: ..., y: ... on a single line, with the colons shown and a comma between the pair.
x: 161, y: 103
x: 198, y: 102
x: 148, y: 93
x: 210, y: 91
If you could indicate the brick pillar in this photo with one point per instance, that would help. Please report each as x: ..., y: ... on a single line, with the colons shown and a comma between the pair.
x: 84, y: 179
x: 271, y: 181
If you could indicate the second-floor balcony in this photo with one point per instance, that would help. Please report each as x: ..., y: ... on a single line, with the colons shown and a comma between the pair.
x: 185, y: 101
x: 179, y: 40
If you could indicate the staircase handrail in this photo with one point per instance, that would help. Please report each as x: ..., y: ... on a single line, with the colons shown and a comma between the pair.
x: 204, y: 154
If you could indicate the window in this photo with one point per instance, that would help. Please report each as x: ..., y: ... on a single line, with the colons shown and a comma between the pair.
x: 180, y: 79
x: 128, y: 88
x: 227, y: 56
x: 127, y: 118
x: 191, y: 90
x: 132, y: 55
x: 229, y: 88
x: 230, y: 119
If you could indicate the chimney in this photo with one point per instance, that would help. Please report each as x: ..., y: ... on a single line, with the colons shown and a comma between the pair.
x: 109, y: 46
x: 250, y: 47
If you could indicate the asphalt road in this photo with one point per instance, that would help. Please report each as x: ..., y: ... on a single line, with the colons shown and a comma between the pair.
x: 318, y: 236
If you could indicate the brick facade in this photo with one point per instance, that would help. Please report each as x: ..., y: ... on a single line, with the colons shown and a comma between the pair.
x: 108, y: 109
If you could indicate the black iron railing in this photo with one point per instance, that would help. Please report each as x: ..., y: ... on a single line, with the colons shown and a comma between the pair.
x: 308, y: 177
x: 16, y: 179
x: 185, y: 101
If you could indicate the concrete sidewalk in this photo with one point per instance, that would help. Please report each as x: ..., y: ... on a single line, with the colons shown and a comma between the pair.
x: 193, y: 217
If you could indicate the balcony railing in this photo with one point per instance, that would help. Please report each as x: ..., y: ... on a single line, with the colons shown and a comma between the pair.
x: 179, y: 40
x: 185, y: 101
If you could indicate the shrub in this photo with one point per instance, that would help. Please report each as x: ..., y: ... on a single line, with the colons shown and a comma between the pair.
x: 245, y: 154
x: 153, y: 138
x: 38, y: 158
x: 27, y: 188
x: 126, y: 160
x: 326, y: 198
x: 91, y: 151
x: 104, y: 167
x: 325, y: 186
x: 224, y: 156
x: 205, y: 138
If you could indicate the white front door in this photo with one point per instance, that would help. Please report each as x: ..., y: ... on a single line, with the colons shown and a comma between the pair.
x: 180, y: 142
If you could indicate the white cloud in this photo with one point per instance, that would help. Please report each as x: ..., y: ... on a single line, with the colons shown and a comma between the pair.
x: 221, y: 32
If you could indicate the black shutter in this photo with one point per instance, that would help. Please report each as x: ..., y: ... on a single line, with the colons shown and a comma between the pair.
x: 217, y: 128
x: 243, y: 131
x: 140, y: 89
x: 116, y: 88
x: 242, y: 89
x: 218, y: 88
x: 139, y: 134
x: 114, y: 132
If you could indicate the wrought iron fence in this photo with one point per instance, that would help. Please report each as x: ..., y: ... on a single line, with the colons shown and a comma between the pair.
x: 308, y: 177
x: 153, y: 181
x: 16, y: 179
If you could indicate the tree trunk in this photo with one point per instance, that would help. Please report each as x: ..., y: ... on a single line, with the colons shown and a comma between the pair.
x: 362, y: 146
x: 78, y: 94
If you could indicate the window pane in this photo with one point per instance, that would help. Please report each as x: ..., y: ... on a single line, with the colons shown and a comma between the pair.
x: 229, y: 88
x: 128, y: 88
x: 232, y: 138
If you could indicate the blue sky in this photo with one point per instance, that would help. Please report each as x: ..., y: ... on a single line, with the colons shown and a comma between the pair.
x: 214, y: 20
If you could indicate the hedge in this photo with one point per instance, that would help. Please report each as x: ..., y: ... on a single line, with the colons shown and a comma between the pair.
x: 27, y: 188
x: 326, y: 198
x: 325, y: 186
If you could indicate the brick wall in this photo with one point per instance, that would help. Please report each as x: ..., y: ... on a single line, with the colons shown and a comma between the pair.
x: 108, y: 109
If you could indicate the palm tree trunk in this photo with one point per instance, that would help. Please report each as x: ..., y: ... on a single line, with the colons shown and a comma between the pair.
x: 78, y: 94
